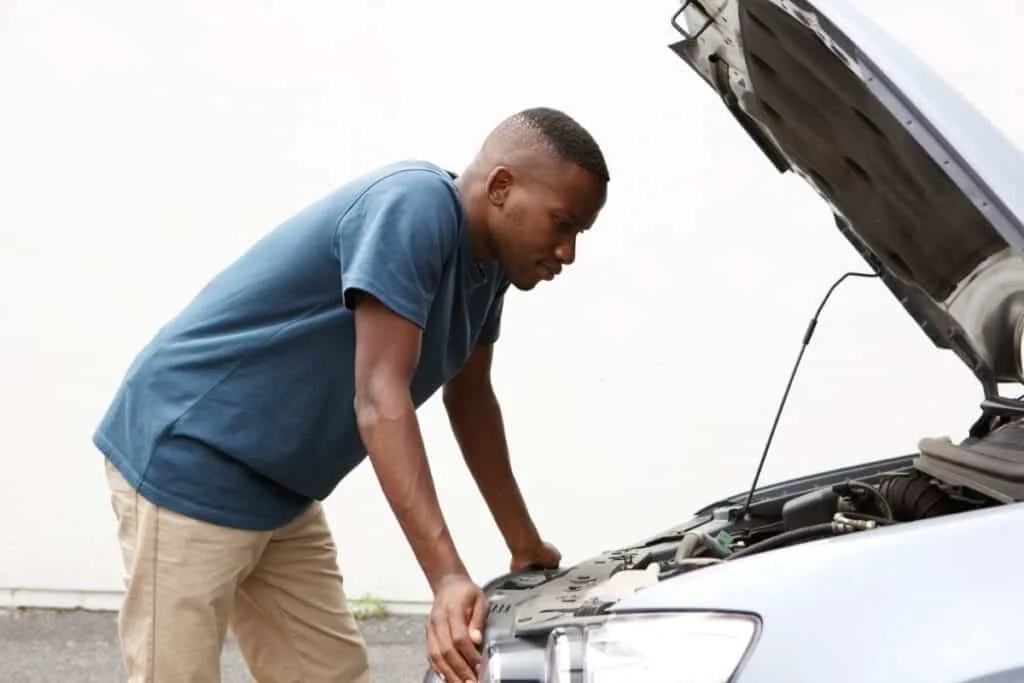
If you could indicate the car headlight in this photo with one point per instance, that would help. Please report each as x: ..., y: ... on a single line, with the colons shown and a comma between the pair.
x: 686, y: 647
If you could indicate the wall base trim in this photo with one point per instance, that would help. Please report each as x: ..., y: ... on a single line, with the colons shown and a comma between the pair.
x: 110, y: 601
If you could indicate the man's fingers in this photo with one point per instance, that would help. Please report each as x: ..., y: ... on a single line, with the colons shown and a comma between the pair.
x: 462, y: 637
x: 436, y: 651
x: 463, y: 657
x: 437, y: 662
x: 476, y: 619
x: 454, y: 663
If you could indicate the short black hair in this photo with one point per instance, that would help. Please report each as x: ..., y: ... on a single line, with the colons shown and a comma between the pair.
x: 569, y: 139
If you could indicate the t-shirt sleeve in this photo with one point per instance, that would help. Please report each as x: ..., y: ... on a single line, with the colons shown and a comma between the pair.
x: 492, y: 324
x: 394, y: 240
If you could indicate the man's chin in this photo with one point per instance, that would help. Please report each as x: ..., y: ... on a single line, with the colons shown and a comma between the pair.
x: 525, y: 285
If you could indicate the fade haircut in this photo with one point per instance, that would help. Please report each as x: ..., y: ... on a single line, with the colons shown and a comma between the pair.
x: 567, y: 138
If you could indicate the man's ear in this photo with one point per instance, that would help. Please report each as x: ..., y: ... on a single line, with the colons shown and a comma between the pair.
x: 499, y: 182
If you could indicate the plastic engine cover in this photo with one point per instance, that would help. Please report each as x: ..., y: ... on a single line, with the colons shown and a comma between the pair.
x: 992, y: 465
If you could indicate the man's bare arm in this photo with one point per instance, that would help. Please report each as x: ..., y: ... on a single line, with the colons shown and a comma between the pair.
x: 477, y: 424
x: 387, y: 351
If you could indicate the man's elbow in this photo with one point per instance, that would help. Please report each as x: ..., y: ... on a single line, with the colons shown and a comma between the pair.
x: 379, y: 400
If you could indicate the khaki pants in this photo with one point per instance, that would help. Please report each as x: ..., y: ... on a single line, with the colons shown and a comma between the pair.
x: 187, y: 581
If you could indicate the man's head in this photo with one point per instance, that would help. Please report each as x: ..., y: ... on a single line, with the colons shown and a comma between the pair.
x: 538, y: 181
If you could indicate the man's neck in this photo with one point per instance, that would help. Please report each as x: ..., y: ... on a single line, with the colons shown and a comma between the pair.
x: 479, y: 235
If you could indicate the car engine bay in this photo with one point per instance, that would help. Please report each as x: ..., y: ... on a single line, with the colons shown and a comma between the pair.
x: 943, y: 478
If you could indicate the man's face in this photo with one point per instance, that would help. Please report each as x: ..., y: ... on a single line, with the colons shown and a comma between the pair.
x: 537, y: 215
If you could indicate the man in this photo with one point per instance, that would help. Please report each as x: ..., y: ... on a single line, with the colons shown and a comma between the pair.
x: 310, y: 352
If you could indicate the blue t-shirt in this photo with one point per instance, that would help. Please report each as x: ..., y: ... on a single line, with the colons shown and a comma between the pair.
x: 240, y: 410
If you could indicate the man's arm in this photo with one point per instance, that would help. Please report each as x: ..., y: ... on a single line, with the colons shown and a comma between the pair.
x: 387, y: 352
x: 476, y: 420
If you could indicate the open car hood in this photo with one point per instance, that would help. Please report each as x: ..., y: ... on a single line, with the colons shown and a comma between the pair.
x: 923, y: 186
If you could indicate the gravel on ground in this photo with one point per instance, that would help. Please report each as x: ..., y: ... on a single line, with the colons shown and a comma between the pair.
x: 44, y: 646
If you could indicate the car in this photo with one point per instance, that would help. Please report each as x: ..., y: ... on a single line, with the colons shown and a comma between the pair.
x: 905, y: 568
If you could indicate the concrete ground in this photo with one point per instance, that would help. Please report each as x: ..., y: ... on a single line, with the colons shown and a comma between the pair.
x: 51, y: 646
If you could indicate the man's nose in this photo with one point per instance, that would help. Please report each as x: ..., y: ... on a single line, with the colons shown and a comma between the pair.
x: 566, y: 251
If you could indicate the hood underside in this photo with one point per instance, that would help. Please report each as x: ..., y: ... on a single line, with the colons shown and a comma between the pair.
x: 920, y: 183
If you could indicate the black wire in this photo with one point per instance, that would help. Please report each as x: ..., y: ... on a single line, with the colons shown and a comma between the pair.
x: 811, y: 326
x: 872, y: 491
x: 804, y: 533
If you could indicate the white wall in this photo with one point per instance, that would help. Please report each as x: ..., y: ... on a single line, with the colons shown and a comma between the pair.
x: 143, y: 146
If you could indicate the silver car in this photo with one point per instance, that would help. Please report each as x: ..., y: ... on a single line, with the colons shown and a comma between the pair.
x: 906, y: 569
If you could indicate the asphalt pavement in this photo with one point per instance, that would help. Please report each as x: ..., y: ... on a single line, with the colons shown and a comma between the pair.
x: 39, y: 646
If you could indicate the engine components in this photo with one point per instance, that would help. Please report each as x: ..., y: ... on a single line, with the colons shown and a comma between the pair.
x: 821, y: 505
x: 810, y: 509
x: 915, y: 496
x: 992, y: 465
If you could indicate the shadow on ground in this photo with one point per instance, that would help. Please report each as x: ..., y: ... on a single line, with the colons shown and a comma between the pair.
x: 49, y: 646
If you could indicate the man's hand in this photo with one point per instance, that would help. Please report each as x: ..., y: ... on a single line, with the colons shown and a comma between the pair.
x: 541, y: 556
x: 455, y: 629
